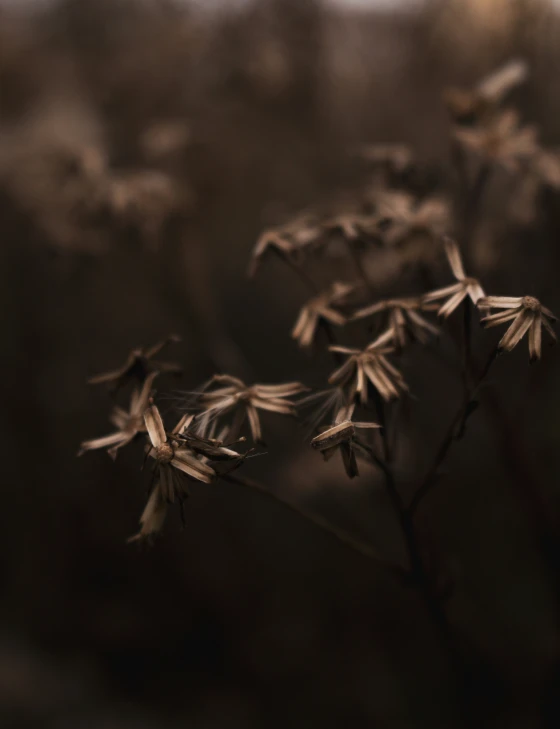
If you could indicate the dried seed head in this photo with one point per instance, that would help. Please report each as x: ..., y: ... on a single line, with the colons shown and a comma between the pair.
x: 525, y: 315
x: 164, y: 453
x: 529, y: 302
x: 334, y: 436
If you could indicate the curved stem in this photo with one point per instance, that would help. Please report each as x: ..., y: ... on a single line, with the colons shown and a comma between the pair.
x: 454, y: 431
x: 340, y: 535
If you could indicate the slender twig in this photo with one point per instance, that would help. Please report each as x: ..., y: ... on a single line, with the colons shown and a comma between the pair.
x: 318, y: 521
x: 302, y: 275
x: 360, y: 268
x: 467, y: 348
x: 472, y: 204
x: 383, y: 422
x: 455, y: 429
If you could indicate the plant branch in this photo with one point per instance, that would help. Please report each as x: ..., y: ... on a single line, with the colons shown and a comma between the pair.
x: 454, y: 431
x: 340, y: 535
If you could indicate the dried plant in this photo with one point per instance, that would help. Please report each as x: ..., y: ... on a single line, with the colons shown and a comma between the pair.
x: 139, y: 364
x: 456, y: 293
x: 175, y: 465
x: 225, y: 395
x: 318, y: 310
x: 369, y: 365
x: 500, y: 140
x: 404, y: 320
x: 389, y: 236
x: 129, y: 423
x: 288, y: 241
x: 527, y: 315
x: 341, y: 436
x: 464, y: 105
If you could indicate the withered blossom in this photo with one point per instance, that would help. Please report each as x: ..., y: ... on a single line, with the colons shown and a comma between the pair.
x: 527, y: 315
x: 409, y: 217
x: 546, y: 167
x: 233, y: 396
x: 341, y: 436
x: 465, y: 105
x: 320, y: 309
x: 500, y: 140
x: 397, y: 157
x: 354, y: 225
x: 458, y: 292
x: 210, y: 448
x: 129, y: 423
x: 369, y: 365
x: 164, y: 139
x: 288, y: 241
x: 175, y: 465
x: 404, y: 320
x: 139, y: 364
x: 144, y: 199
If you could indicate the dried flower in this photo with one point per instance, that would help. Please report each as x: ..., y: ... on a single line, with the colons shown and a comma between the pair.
x: 403, y: 319
x: 397, y: 157
x: 353, y: 225
x: 500, y: 140
x: 144, y: 199
x: 234, y: 396
x: 456, y: 293
x: 319, y: 309
x: 139, y: 365
x: 164, y: 139
x: 370, y: 365
x: 464, y: 104
x: 412, y: 218
x: 129, y: 423
x: 175, y: 465
x: 288, y: 240
x: 340, y: 436
x: 527, y: 314
x: 212, y: 449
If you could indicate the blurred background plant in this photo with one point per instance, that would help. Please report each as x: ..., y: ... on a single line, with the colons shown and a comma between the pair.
x: 144, y: 147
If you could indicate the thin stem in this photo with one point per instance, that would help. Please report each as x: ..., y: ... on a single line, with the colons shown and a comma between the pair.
x: 398, y: 505
x: 360, y: 268
x: 458, y: 160
x: 381, y: 413
x: 418, y: 574
x: 472, y: 203
x: 340, y: 535
x: 303, y: 275
x: 454, y: 431
x: 467, y: 348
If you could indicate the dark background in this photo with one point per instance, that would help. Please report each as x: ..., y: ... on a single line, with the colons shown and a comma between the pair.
x: 250, y: 617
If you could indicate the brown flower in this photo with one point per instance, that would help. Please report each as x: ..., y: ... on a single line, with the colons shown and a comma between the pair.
x: 527, y: 314
x: 458, y: 292
x: 144, y: 199
x: 500, y: 140
x: 397, y: 157
x: 409, y: 217
x: 341, y: 436
x: 128, y: 423
x: 139, y: 365
x: 288, y: 241
x: 466, y: 104
x: 175, y: 465
x: 354, y: 225
x: 233, y: 396
x: 403, y: 319
x: 369, y: 365
x: 320, y: 309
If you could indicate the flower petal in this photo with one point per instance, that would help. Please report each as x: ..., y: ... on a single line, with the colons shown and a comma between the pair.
x: 154, y: 426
